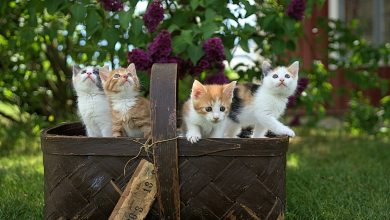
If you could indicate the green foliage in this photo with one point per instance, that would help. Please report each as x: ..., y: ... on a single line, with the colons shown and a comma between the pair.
x: 359, y: 61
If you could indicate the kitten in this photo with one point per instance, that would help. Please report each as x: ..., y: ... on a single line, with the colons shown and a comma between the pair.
x: 261, y: 105
x: 205, y: 111
x: 130, y: 111
x: 92, y: 103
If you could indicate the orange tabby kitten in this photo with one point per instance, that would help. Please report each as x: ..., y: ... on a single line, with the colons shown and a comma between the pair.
x: 205, y: 112
x: 130, y: 111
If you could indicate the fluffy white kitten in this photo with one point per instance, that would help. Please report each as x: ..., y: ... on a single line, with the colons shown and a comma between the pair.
x: 265, y: 104
x: 92, y: 103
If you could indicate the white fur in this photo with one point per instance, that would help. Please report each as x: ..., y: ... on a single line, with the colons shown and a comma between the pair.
x: 269, y: 103
x: 204, y: 126
x: 93, y: 106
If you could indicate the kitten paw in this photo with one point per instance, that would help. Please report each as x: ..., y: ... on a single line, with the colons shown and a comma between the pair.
x: 193, y: 138
x: 116, y: 134
x: 289, y: 132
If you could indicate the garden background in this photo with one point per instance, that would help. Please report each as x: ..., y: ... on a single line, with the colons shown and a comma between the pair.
x: 338, y: 165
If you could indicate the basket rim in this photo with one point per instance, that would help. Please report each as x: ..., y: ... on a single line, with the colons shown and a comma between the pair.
x: 52, y: 143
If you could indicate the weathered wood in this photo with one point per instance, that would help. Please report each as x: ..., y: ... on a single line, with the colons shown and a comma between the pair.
x: 163, y: 115
x: 139, y: 194
x: 123, y: 146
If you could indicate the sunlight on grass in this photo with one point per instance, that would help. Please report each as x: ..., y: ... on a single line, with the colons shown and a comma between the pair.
x: 292, y: 161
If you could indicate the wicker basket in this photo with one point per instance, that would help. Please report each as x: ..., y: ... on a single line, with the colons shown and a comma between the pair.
x: 219, y: 178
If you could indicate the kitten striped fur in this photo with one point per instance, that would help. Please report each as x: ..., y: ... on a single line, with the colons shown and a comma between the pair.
x: 130, y: 111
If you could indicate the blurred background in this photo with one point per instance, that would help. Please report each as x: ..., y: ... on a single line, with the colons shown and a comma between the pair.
x: 341, y: 110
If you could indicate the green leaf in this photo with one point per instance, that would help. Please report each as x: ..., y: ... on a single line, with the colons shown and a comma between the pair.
x: 182, y: 41
x: 278, y: 46
x: 92, y: 22
x: 124, y: 19
x: 244, y: 45
x: 112, y: 36
x: 78, y: 12
x: 194, y: 4
x: 208, y: 29
x: 210, y: 15
x: 195, y: 53
x: 136, y: 27
x: 52, y: 6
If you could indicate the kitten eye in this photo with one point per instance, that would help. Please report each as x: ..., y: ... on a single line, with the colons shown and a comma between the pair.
x: 84, y: 71
x: 222, y: 109
x: 287, y: 76
x: 275, y: 76
x: 116, y: 76
x: 208, y: 109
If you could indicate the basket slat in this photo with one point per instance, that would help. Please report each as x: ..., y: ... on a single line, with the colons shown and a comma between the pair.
x: 163, y: 116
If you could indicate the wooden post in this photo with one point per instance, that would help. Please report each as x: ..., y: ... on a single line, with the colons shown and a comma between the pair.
x: 163, y: 115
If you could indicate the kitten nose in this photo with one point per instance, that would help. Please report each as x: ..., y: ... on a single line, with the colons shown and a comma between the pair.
x: 216, y: 118
x: 281, y: 80
x: 89, y: 73
x: 125, y: 76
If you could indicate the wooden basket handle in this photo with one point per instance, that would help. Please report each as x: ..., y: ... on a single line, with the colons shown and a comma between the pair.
x: 163, y: 116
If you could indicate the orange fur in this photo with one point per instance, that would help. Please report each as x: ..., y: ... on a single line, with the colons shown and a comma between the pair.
x: 137, y: 115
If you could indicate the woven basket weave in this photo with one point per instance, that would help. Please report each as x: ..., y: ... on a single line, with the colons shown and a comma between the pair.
x: 217, y: 178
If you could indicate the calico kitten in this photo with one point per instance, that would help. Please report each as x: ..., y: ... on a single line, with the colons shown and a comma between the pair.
x: 92, y: 103
x: 205, y: 111
x: 261, y: 105
x: 130, y: 111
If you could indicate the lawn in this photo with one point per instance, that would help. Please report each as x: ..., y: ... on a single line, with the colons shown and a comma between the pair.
x: 329, y: 176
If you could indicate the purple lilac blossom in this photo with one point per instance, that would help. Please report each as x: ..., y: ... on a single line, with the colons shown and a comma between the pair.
x: 112, y: 5
x: 214, y: 50
x: 296, y: 9
x: 140, y: 58
x: 161, y: 47
x: 153, y: 16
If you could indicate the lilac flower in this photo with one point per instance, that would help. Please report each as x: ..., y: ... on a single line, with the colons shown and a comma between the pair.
x: 295, y: 121
x: 218, y: 78
x: 182, y: 65
x: 161, y: 47
x: 201, y: 66
x: 112, y: 5
x: 153, y: 15
x: 140, y: 58
x: 214, y: 50
x: 292, y: 101
x: 302, y: 85
x: 296, y: 9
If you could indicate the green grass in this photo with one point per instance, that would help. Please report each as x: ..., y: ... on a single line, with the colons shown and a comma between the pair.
x: 21, y: 187
x: 329, y: 176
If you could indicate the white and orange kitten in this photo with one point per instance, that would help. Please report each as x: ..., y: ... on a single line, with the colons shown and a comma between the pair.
x: 205, y: 111
x: 92, y: 103
x: 261, y: 106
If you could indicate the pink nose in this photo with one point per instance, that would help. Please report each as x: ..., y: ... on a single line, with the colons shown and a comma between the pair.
x: 281, y: 80
x: 216, y: 118
x: 89, y: 73
x: 125, y: 76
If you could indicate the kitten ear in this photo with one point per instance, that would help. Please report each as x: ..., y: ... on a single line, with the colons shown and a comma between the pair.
x: 76, y: 69
x: 294, y: 68
x: 133, y: 72
x: 131, y: 69
x: 197, y: 90
x: 229, y: 88
x: 266, y: 67
x: 104, y: 73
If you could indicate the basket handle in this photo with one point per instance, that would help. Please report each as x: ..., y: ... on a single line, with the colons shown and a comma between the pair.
x: 163, y: 116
